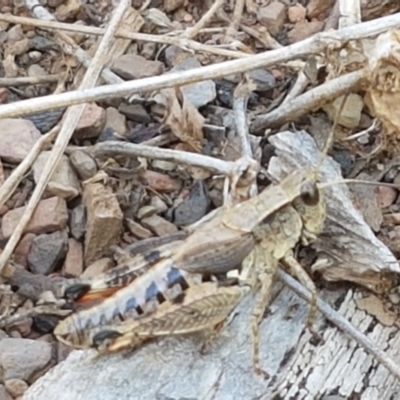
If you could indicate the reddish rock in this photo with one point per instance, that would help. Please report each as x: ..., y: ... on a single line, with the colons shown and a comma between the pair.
x: 16, y: 387
x: 22, y: 250
x: 319, y: 8
x: 386, y: 196
x: 97, y: 268
x: 63, y: 182
x: 159, y: 225
x: 17, y: 136
x: 272, y: 16
x: 303, y: 30
x: 91, y: 123
x: 50, y: 215
x: 297, y: 13
x: 161, y: 182
x: 104, y: 221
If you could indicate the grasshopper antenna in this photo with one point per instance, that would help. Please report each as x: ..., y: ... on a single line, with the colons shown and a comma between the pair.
x: 330, y: 139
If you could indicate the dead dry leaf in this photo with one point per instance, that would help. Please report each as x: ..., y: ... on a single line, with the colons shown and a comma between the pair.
x: 374, y: 306
x: 183, y: 118
x: 384, y: 94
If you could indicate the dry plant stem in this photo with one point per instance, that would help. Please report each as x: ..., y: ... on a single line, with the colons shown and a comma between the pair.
x: 343, y: 324
x: 350, y: 13
x: 71, y: 120
x: 315, y: 44
x: 333, y: 18
x: 309, y: 101
x: 29, y: 80
x: 241, y: 97
x: 124, y: 34
x: 180, y: 157
x: 205, y: 19
x: 8, y: 187
x: 264, y: 38
x: 298, y: 88
x: 67, y: 43
x: 237, y: 16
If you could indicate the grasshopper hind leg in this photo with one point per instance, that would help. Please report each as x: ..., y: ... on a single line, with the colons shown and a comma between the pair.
x: 262, y: 267
x: 202, y: 308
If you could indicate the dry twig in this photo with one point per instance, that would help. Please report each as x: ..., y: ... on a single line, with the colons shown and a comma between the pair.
x: 315, y: 44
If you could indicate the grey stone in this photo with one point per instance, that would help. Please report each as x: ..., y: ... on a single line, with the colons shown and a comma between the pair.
x: 23, y: 358
x: 83, y: 164
x: 77, y: 223
x: 47, y: 251
x: 199, y: 93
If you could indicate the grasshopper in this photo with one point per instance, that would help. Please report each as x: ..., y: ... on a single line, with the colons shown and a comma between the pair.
x: 182, y: 287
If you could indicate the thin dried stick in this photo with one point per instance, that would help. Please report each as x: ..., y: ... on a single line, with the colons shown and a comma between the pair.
x: 265, y: 38
x: 71, y: 120
x: 184, y: 43
x: 310, y: 100
x: 342, y: 323
x: 205, y: 19
x: 111, y: 148
x: 30, y: 80
x: 315, y: 44
x: 350, y: 13
x: 237, y: 16
x: 8, y: 187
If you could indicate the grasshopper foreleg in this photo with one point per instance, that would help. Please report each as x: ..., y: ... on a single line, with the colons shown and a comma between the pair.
x: 297, y: 270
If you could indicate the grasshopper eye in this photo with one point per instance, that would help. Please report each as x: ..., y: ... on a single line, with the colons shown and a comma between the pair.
x: 76, y: 291
x: 107, y: 335
x: 309, y: 193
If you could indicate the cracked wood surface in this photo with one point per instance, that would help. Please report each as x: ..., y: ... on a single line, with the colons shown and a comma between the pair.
x: 173, y: 369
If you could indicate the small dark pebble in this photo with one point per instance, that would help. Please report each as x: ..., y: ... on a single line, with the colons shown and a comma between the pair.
x: 346, y: 161
x: 44, y: 121
x: 193, y: 207
x: 45, y: 323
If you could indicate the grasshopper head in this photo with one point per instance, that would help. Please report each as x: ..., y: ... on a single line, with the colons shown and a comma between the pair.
x: 312, y: 209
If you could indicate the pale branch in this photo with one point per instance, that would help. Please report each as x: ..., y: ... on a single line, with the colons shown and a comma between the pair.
x: 111, y: 148
x: 312, y: 45
x: 309, y: 101
x: 184, y: 43
x: 204, y: 20
x: 350, y: 13
x: 30, y: 80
